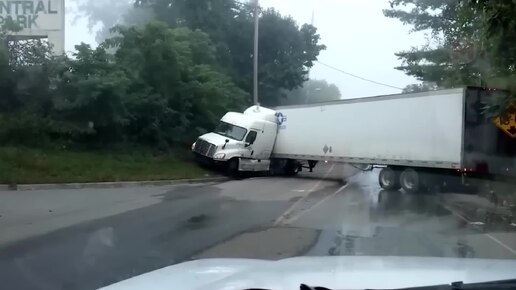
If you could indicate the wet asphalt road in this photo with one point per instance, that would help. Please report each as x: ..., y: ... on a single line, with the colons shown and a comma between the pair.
x: 270, y: 218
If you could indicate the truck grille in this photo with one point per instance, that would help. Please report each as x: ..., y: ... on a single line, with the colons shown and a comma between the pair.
x: 204, y: 148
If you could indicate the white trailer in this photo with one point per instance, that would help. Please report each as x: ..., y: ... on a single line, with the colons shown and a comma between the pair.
x: 414, y: 137
x: 423, y: 129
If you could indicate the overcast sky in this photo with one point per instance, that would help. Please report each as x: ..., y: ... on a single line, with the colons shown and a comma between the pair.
x: 359, y: 40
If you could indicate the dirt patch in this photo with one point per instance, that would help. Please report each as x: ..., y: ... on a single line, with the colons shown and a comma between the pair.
x: 481, y: 212
x: 497, y: 192
x: 272, y: 244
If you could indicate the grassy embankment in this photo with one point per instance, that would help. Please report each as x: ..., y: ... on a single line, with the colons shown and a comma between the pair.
x: 24, y: 165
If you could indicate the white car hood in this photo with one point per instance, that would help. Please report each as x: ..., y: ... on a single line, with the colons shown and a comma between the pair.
x: 348, y: 272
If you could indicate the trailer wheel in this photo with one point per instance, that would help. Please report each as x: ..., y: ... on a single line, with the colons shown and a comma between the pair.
x: 410, y: 180
x: 389, y: 179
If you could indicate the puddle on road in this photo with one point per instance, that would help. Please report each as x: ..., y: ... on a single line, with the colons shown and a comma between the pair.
x: 401, y: 224
x: 181, y: 192
x: 196, y: 222
x: 272, y: 243
x: 390, y: 242
x: 407, y: 225
x: 401, y: 231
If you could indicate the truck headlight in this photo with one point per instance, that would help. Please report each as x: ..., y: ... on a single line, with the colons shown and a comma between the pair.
x: 219, y: 156
x: 193, y: 146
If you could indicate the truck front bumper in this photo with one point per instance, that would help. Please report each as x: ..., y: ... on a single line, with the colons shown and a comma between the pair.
x: 207, y: 161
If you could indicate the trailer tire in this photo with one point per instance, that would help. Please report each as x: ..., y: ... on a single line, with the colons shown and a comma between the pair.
x: 410, y: 180
x: 389, y: 179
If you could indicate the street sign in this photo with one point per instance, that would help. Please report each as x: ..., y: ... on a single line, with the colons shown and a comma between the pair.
x: 508, y: 123
x: 37, y: 19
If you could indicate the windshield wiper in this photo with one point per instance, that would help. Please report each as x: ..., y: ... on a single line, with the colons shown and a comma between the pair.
x: 497, y: 285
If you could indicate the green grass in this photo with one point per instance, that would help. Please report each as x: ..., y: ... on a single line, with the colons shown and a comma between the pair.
x: 24, y: 165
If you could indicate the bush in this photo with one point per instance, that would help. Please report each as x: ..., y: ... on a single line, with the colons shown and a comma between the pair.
x: 160, y: 88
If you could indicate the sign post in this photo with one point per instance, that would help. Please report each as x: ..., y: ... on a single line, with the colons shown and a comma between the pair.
x: 37, y: 19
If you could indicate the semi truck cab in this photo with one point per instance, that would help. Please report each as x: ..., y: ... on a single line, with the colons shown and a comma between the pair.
x: 241, y: 141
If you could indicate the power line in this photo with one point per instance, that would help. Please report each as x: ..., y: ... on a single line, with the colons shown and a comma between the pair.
x: 358, y: 77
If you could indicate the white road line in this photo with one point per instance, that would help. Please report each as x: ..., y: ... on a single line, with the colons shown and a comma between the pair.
x: 284, y: 216
x: 503, y: 245
x: 259, y: 177
x: 296, y: 217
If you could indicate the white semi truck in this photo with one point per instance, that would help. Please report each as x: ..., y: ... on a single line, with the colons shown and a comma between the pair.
x: 418, y: 138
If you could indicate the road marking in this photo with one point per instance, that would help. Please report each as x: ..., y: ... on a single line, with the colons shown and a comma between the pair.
x: 296, y: 217
x: 503, y: 245
x: 259, y: 177
x: 284, y: 216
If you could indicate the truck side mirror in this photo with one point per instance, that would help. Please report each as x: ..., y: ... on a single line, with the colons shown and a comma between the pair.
x: 224, y: 146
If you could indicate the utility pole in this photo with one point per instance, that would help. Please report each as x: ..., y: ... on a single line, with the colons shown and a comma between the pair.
x: 482, y: 48
x: 255, y: 54
x: 307, y: 98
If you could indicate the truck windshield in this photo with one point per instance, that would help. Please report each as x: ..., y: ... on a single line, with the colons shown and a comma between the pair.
x: 231, y: 131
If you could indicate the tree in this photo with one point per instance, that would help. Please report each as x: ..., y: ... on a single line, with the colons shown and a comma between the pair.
x: 28, y: 77
x: 90, y: 104
x: 158, y: 83
x: 472, y: 44
x: 108, y: 14
x: 175, y: 93
x: 287, y: 51
x: 500, y: 33
x: 160, y: 88
x: 455, y: 56
x: 422, y: 87
x: 312, y: 91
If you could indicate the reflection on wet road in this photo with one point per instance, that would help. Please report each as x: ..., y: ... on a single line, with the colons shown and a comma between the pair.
x: 315, y: 214
x: 366, y: 220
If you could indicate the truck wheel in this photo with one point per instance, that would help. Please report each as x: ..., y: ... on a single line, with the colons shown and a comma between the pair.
x: 275, y: 167
x: 291, y: 168
x: 389, y: 179
x: 232, y: 168
x: 410, y: 180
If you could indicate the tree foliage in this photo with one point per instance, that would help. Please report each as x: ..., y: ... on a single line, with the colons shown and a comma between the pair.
x: 454, y: 56
x: 28, y: 78
x: 104, y: 15
x: 161, y: 82
x: 472, y: 43
x: 500, y: 34
x: 500, y: 27
x: 287, y: 50
x: 175, y: 68
x: 422, y: 87
x: 313, y: 91
x: 159, y: 88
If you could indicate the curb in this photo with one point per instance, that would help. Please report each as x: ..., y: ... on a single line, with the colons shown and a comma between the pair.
x: 27, y: 187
